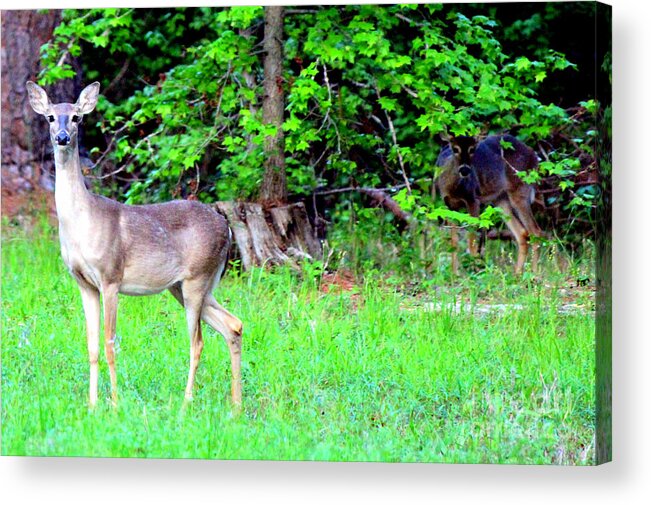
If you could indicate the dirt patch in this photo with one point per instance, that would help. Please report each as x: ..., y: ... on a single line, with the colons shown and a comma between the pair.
x: 337, y: 282
x: 340, y: 282
x: 24, y: 201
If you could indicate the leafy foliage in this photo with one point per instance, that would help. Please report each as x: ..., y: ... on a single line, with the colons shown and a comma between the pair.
x: 368, y: 89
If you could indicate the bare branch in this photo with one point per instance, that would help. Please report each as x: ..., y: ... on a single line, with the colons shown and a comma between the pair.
x: 409, y: 20
x: 301, y: 11
x: 119, y: 76
x: 395, y: 144
x: 327, y: 116
x: 355, y: 188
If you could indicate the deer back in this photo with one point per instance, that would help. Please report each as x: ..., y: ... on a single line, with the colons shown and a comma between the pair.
x: 497, y: 167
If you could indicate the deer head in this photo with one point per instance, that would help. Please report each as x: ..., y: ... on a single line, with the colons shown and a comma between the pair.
x: 463, y: 149
x: 64, y: 118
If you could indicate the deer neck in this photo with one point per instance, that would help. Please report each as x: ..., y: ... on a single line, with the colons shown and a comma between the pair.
x: 70, y: 193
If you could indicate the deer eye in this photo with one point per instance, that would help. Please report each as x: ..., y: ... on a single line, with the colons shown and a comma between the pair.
x: 75, y: 119
x: 50, y: 119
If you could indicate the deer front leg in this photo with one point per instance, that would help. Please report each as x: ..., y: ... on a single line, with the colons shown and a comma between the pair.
x: 196, y: 346
x: 473, y: 210
x: 90, y: 301
x: 192, y: 298
x: 454, y: 239
x: 110, y: 297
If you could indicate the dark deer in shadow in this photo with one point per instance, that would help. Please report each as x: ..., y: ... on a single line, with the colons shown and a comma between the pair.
x: 487, y: 172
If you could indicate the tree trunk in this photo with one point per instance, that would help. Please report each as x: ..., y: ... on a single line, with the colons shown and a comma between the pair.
x: 274, y: 184
x: 272, y: 232
x: 26, y: 150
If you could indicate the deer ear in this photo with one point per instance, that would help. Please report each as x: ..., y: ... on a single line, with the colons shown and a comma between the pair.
x: 37, y: 98
x: 88, y: 98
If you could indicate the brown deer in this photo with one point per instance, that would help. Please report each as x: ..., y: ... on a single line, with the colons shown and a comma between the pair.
x: 112, y: 248
x: 475, y: 173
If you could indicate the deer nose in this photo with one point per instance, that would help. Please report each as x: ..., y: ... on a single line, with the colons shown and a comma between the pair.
x: 464, y: 170
x: 62, y: 138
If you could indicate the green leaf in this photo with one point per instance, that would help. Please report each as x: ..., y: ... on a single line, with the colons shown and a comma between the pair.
x: 506, y: 144
x: 388, y: 104
x: 522, y: 63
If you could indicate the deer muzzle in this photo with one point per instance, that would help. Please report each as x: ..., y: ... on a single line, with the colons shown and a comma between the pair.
x: 464, y: 170
x: 62, y: 138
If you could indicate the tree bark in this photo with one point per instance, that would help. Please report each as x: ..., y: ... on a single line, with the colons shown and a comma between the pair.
x: 26, y: 144
x: 274, y: 184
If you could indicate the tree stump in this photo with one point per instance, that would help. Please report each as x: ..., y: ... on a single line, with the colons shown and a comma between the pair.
x: 272, y: 236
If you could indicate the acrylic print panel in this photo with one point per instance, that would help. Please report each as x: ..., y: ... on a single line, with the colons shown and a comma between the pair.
x: 401, y: 212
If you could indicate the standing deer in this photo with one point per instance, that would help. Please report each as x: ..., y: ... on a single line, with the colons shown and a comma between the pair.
x: 487, y: 173
x: 112, y: 248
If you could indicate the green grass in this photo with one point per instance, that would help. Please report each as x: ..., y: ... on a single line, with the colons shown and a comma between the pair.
x: 362, y: 375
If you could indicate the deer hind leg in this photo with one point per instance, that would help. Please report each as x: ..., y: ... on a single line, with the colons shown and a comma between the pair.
x: 535, y: 256
x: 519, y: 234
x: 231, y: 329
x: 521, y: 202
x: 90, y: 301
x: 110, y: 298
